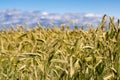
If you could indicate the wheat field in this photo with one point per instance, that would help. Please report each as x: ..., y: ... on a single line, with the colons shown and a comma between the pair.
x: 61, y: 53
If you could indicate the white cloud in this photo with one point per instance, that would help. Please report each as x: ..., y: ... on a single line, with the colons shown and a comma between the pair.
x: 92, y: 15
x: 44, y: 13
x: 21, y: 17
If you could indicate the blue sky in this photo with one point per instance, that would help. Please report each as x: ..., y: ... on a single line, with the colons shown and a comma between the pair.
x: 101, y: 7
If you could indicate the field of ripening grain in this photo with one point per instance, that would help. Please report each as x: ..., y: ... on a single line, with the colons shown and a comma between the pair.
x: 61, y: 53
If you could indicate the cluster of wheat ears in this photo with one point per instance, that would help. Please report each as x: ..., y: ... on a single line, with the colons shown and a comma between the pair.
x: 61, y: 53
